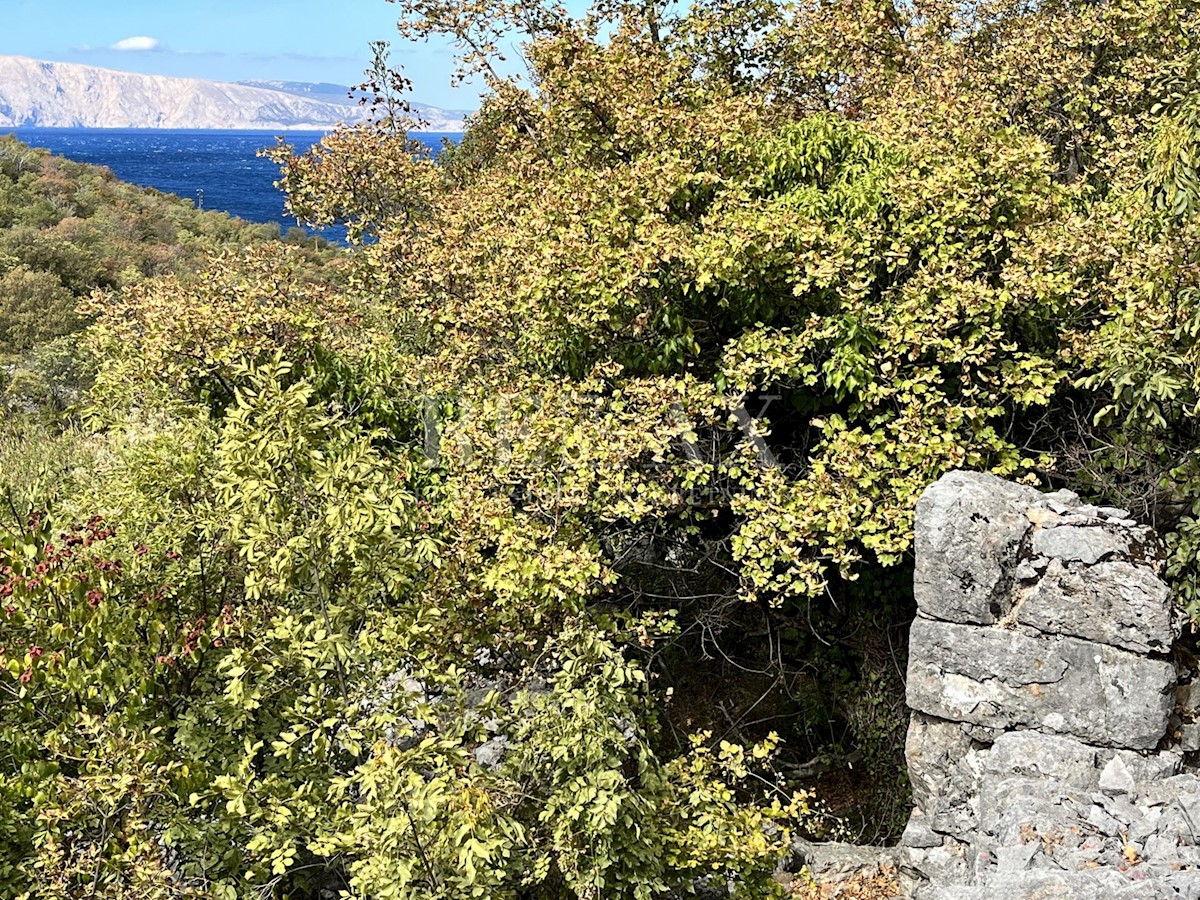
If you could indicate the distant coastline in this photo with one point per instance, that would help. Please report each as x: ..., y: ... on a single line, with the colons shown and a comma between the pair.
x: 41, y: 94
x: 428, y: 138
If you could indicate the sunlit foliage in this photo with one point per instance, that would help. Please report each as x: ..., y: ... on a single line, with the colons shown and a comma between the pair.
x: 381, y: 580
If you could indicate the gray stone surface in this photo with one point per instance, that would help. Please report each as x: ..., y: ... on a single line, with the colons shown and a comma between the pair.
x: 949, y: 863
x: 1114, y: 602
x: 1100, y: 885
x: 830, y: 861
x: 491, y: 752
x: 1017, y: 857
x: 1087, y: 544
x: 1042, y: 689
x: 1044, y: 757
x: 1156, y: 766
x: 943, y: 771
x: 918, y: 834
x: 1018, y: 678
x: 966, y: 548
x: 1115, y: 778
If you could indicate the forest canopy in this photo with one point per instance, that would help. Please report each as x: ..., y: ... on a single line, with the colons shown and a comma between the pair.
x: 543, y: 545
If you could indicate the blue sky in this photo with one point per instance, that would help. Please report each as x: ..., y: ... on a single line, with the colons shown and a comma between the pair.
x: 227, y: 40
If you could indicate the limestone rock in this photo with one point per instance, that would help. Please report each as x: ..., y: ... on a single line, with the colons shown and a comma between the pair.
x: 1157, y: 766
x: 949, y: 863
x: 1114, y: 602
x: 971, y: 527
x: 917, y: 833
x: 943, y: 770
x: 1001, y: 678
x: 830, y: 861
x: 1100, y: 885
x: 1041, y: 684
x: 68, y: 95
x: 491, y: 752
x: 1085, y: 544
x: 1115, y: 779
x: 1046, y: 757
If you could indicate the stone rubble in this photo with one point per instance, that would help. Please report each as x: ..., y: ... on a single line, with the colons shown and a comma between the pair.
x: 485, y: 686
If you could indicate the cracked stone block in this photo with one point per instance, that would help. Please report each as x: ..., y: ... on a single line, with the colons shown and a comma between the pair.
x: 917, y: 833
x: 1147, y: 826
x: 1017, y: 811
x: 971, y: 527
x: 943, y: 769
x: 1022, y: 679
x: 1147, y: 766
x: 1175, y: 789
x: 1103, y: 823
x: 1041, y: 680
x: 832, y: 861
x: 1119, y: 807
x: 1034, y: 783
x: 1062, y: 760
x: 1087, y: 544
x: 1017, y: 858
x: 948, y: 863
x: 1117, y: 603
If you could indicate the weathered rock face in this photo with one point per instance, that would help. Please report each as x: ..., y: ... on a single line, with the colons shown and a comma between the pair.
x: 1023, y: 678
x: 971, y: 529
x: 36, y: 93
x: 1043, y: 694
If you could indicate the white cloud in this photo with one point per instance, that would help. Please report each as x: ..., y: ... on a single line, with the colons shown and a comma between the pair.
x: 139, y: 42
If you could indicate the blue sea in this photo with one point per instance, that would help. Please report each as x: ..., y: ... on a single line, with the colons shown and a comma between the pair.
x: 214, y: 169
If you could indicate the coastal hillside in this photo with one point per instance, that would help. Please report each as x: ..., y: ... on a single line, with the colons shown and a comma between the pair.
x: 38, y: 94
x: 68, y: 230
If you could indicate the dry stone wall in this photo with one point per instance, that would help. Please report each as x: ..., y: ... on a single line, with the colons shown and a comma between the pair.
x: 1045, y: 747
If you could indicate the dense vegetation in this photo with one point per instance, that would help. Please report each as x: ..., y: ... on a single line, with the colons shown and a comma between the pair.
x: 68, y: 229
x: 547, y: 545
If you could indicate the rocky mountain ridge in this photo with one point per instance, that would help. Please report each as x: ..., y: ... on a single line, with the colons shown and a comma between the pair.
x: 438, y: 119
x: 39, y: 94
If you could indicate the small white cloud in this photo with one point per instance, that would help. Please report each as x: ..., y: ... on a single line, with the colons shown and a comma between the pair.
x: 140, y: 42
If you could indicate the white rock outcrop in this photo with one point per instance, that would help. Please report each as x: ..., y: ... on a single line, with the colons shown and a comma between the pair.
x: 37, y: 94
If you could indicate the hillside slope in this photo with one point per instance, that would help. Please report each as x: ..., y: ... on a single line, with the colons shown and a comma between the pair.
x: 68, y: 229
